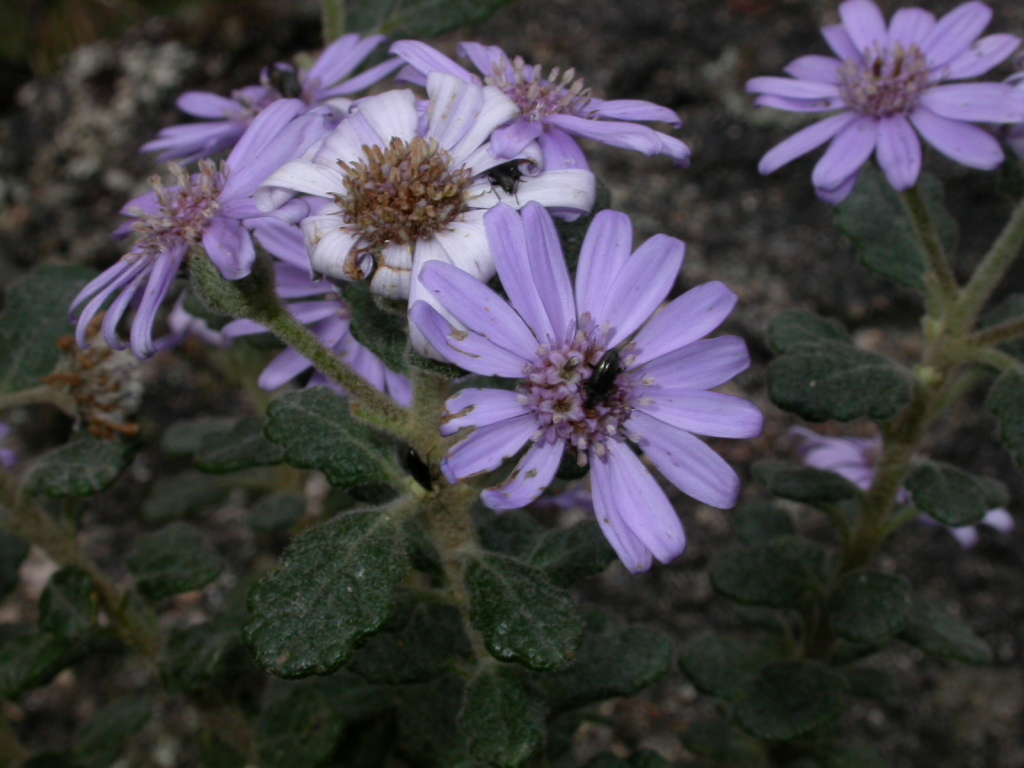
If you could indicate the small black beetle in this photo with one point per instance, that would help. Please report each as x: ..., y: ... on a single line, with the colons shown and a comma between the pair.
x: 602, y: 380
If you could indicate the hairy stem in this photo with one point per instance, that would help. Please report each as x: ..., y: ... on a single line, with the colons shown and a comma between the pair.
x: 940, y: 277
x: 43, y: 394
x: 997, y: 334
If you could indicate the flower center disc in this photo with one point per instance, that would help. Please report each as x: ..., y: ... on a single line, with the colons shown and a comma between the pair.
x: 401, y: 193
x: 890, y: 84
x: 536, y: 97
x: 186, y: 208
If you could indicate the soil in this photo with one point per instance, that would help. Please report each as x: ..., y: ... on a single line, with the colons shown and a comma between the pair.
x: 69, y: 160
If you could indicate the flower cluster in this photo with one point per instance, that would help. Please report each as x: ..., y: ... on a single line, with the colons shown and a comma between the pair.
x: 888, y: 84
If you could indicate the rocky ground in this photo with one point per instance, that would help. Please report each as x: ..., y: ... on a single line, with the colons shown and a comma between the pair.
x: 68, y: 161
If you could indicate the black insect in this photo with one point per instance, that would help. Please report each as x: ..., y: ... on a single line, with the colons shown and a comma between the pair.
x: 602, y: 380
x: 286, y: 80
x: 418, y: 469
x: 506, y: 176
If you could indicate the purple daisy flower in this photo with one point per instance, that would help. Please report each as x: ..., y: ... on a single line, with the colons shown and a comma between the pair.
x: 408, y: 188
x: 856, y: 458
x: 888, y: 83
x: 552, y: 109
x: 7, y: 457
x: 592, y: 375
x: 325, y: 312
x: 209, y: 209
x: 227, y: 118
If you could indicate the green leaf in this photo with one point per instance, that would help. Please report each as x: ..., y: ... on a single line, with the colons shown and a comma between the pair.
x: 242, y: 447
x: 607, y: 666
x: 522, y: 616
x: 873, y: 217
x: 512, y: 533
x: 779, y: 573
x: 935, y: 631
x: 716, y: 739
x: 101, y: 740
x: 335, y: 586
x: 833, y: 380
x: 12, y: 551
x: 181, y: 494
x: 34, y: 317
x: 183, y: 438
x: 950, y: 495
x: 567, y: 555
x: 82, y: 467
x: 317, y: 431
x: 69, y: 604
x: 28, y: 658
x: 723, y: 666
x: 428, y: 733
x: 172, y: 560
x: 798, y: 326
x: 790, y: 699
x: 196, y: 655
x: 1006, y: 403
x: 502, y: 718
x: 298, y: 731
x: 419, y: 18
x: 760, y: 521
x: 870, y: 607
x: 425, y: 646
x: 381, y: 331
x: 276, y: 512
x: 806, y: 484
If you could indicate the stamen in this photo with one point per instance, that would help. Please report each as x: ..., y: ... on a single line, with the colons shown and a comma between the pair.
x: 891, y: 83
x: 535, y: 96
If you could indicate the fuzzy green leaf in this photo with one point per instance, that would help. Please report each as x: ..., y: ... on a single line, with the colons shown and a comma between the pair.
x: 798, y: 326
x: 172, y: 560
x: 1006, y: 403
x: 241, y: 447
x: 298, y: 731
x: 806, y: 484
x: 834, y: 380
x: 723, y: 666
x: 181, y: 494
x: 569, y: 554
x: 335, y: 586
x: 82, y: 467
x: 381, y: 331
x: 873, y: 217
x: 789, y: 699
x: 317, y: 431
x: 522, y: 616
x: 101, y: 740
x: 276, y: 512
x: 935, y: 631
x: 760, y: 521
x: 609, y: 665
x: 779, y: 573
x: 502, y: 718
x: 12, y: 551
x: 196, y: 655
x: 948, y: 494
x: 716, y: 739
x: 34, y: 317
x: 428, y: 733
x: 69, y: 604
x: 28, y: 658
x: 870, y: 607
x: 184, y: 438
x: 419, y: 18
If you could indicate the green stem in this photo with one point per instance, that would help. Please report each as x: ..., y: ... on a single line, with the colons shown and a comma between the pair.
x: 332, y: 15
x: 940, y: 277
x: 994, y: 358
x: 26, y: 519
x: 997, y: 334
x: 43, y: 394
x: 446, y: 514
x: 990, y: 271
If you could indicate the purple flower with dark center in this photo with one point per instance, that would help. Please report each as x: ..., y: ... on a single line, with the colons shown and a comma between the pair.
x: 888, y: 83
x: 552, y: 109
x: 7, y: 457
x: 406, y: 189
x: 227, y: 118
x: 323, y: 310
x: 856, y: 459
x: 208, y: 209
x: 592, y: 375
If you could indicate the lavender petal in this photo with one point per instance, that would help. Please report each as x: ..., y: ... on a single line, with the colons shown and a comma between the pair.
x: 842, y: 46
x: 963, y: 142
x: 985, y: 54
x: 976, y: 102
x: 425, y: 59
x: 899, y: 151
x: 864, y: 23
x: 532, y: 475
x: 910, y: 26
x: 634, y: 109
x: 849, y: 150
x: 633, y: 554
x: 710, y: 414
x: 229, y: 247
x: 606, y: 246
x: 955, y: 32
x: 509, y: 140
x: 165, y: 269
x: 475, y: 407
x: 465, y: 349
x: 702, y: 365
x: 804, y: 141
x: 820, y: 69
x: 487, y: 448
x: 686, y: 319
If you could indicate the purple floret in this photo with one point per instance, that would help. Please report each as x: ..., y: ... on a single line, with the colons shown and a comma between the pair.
x: 595, y: 370
x: 890, y: 84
